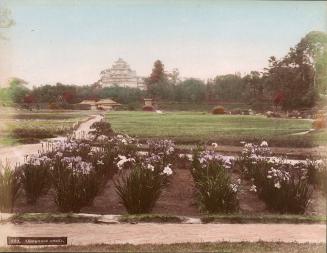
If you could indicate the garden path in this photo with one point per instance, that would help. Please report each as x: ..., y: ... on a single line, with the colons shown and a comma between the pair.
x: 305, y: 132
x: 16, y: 154
x: 84, y: 128
x: 167, y: 233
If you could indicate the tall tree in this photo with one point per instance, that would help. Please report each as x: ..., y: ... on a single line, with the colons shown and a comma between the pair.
x: 173, y: 76
x: 230, y: 87
x: 158, y: 73
x: 315, y: 46
x: 301, y: 74
x: 190, y: 90
x: 157, y: 78
x: 254, y: 85
x: 17, y: 90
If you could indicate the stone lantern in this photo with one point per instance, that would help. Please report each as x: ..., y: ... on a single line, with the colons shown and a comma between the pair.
x: 148, y: 102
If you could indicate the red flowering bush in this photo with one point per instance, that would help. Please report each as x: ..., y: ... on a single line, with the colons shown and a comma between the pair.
x: 218, y: 110
x: 320, y: 123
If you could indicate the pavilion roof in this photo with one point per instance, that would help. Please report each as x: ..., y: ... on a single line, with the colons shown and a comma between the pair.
x: 107, y: 101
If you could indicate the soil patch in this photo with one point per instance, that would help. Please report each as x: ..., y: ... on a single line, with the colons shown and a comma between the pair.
x: 178, y: 199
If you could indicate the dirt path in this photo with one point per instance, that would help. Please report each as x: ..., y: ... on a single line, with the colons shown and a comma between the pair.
x: 83, y: 234
x: 84, y: 128
x: 16, y: 154
x: 305, y: 132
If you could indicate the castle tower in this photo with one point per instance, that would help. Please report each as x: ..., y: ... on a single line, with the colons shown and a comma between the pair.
x: 120, y: 74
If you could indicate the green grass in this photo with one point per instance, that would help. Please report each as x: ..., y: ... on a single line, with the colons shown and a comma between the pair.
x: 52, y: 218
x: 157, y: 218
x: 188, y: 106
x: 233, y: 247
x: 198, y: 107
x: 164, y: 218
x: 240, y: 219
x: 319, y: 136
x: 7, y: 140
x: 195, y: 127
x: 53, y: 122
x: 76, y: 218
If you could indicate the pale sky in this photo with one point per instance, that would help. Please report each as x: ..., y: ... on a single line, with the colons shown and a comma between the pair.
x: 72, y: 41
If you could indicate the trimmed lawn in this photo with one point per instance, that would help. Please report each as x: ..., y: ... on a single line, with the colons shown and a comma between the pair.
x: 195, y: 127
x: 237, y: 247
x: 265, y: 219
x: 319, y: 137
x: 165, y: 218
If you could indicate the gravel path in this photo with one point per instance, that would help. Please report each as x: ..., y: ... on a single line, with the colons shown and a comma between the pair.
x: 84, y: 128
x: 16, y: 154
x: 88, y: 233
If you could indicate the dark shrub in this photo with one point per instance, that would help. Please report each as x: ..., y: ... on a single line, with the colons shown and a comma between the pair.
x: 218, y: 110
x: 32, y: 133
x: 9, y: 187
x: 131, y: 107
x: 101, y: 128
x: 148, y: 108
x: 53, y: 106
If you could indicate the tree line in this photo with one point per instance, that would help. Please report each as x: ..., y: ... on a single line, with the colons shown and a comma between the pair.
x: 294, y: 81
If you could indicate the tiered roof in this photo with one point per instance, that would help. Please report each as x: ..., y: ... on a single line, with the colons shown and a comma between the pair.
x: 120, y: 74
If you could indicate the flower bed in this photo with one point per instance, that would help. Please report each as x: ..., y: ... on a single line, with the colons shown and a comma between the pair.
x: 77, y: 170
x: 215, y: 190
x: 284, y: 186
x: 148, y: 177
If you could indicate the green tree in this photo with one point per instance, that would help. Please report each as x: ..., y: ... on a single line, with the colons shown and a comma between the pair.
x: 158, y: 73
x: 59, y: 93
x: 5, y: 99
x: 228, y: 87
x: 157, y: 76
x: 17, y: 90
x: 315, y: 46
x: 123, y: 95
x: 254, y: 85
x: 191, y: 90
x: 301, y: 74
x: 173, y: 77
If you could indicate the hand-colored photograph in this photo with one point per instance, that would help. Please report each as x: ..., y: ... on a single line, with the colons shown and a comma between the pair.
x: 163, y: 126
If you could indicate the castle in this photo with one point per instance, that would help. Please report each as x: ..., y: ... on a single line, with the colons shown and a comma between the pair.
x: 121, y: 74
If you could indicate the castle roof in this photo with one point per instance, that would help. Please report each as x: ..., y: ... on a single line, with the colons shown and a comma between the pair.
x: 107, y: 101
